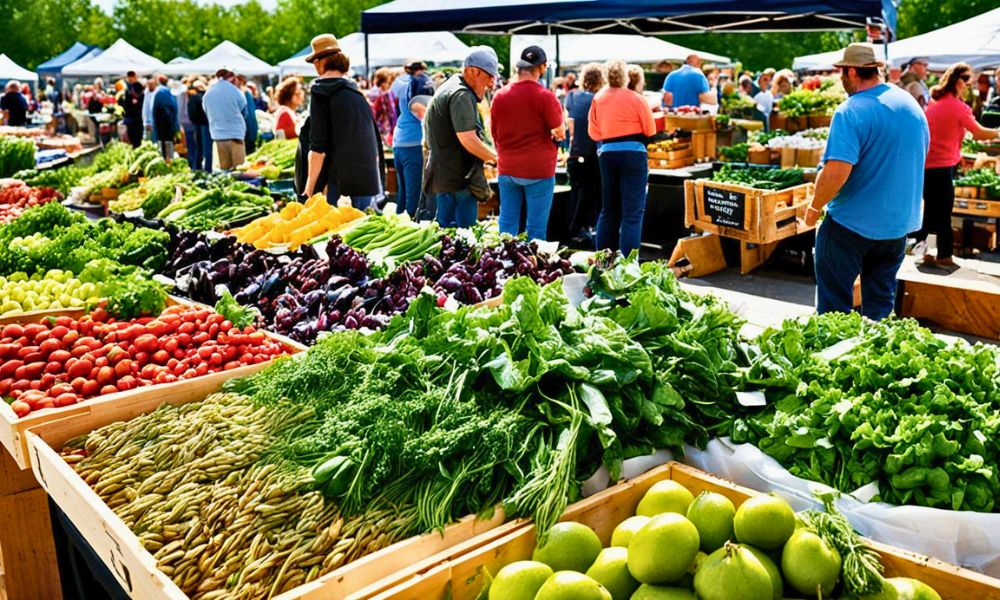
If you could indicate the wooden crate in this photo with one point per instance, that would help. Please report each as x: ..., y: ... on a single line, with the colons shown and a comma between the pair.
x: 977, y: 208
x: 463, y: 577
x: 767, y: 216
x: 815, y: 121
x: 136, y: 569
x: 688, y: 122
x: 13, y: 428
x: 703, y: 145
x: 664, y: 163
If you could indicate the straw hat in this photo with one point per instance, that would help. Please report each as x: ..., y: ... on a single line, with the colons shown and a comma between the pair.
x: 322, y: 45
x: 859, y: 55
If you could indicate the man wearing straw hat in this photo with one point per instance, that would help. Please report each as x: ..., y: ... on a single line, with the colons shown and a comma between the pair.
x: 871, y: 183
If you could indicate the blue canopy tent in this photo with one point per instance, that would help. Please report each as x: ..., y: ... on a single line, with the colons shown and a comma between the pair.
x: 651, y: 17
x: 54, y: 66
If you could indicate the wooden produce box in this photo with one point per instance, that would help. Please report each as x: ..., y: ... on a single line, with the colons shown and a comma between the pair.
x: 969, y: 191
x: 808, y: 158
x: 13, y: 428
x: 761, y: 155
x: 744, y: 213
x: 816, y: 121
x: 672, y: 121
x: 135, y: 568
x: 703, y: 145
x: 463, y: 577
x: 977, y: 208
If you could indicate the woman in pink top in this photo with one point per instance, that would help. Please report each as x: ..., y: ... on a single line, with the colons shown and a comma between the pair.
x: 948, y: 118
x: 620, y: 121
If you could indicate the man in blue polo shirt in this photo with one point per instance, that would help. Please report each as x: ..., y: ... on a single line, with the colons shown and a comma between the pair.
x: 687, y: 86
x: 871, y: 185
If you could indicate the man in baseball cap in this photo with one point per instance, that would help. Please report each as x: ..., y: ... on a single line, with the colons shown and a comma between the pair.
x: 454, y: 130
x: 871, y: 184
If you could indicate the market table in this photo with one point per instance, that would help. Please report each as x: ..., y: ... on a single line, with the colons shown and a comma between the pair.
x: 966, y: 300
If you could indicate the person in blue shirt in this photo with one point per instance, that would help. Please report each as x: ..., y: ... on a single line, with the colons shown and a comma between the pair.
x: 871, y: 184
x: 249, y: 115
x: 408, y: 136
x: 224, y: 105
x: 165, y: 118
x: 688, y: 86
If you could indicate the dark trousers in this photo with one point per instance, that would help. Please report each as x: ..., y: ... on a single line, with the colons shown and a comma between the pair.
x: 585, y: 192
x: 409, y: 163
x: 192, y: 145
x: 624, y: 175
x: 205, y: 145
x: 251, y: 143
x: 939, y: 201
x: 134, y: 129
x: 841, y: 255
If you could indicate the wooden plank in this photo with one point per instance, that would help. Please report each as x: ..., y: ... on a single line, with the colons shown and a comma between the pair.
x: 965, y: 311
x: 754, y: 255
x: 29, y: 551
x: 463, y: 578
x: 703, y: 252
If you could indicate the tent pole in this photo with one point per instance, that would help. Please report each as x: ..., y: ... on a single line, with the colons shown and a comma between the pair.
x: 367, y: 62
x: 557, y: 55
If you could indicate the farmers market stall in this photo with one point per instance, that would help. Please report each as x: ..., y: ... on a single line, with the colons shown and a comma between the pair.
x: 225, y: 54
x: 574, y: 50
x: 11, y: 70
x: 119, y: 58
x: 966, y: 299
x: 78, y: 51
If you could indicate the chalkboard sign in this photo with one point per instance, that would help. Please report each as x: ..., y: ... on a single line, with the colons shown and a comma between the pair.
x: 725, y: 207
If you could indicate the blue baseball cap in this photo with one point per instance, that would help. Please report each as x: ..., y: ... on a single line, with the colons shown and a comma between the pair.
x: 483, y: 57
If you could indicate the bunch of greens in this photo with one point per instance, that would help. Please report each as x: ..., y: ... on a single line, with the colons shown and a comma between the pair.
x: 737, y: 106
x: 801, y: 103
x: 131, y: 292
x: 453, y: 412
x: 762, y: 179
x: 52, y: 236
x: 239, y: 316
x: 763, y: 137
x: 16, y: 154
x: 734, y: 153
x: 893, y: 404
x: 62, y: 179
x: 987, y: 179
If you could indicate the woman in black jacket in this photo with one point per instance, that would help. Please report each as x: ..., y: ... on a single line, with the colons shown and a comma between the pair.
x: 342, y: 134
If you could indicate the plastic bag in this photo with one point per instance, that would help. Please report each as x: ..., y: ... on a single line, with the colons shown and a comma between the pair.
x: 964, y: 538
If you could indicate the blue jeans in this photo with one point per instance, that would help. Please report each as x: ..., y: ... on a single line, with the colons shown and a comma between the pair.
x: 841, y: 255
x: 193, y: 148
x: 536, y: 195
x: 624, y: 175
x: 409, y: 162
x: 205, y: 146
x: 457, y: 209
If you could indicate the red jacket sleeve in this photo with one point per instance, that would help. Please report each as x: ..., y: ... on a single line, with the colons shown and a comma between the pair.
x: 593, y: 122
x: 646, y: 117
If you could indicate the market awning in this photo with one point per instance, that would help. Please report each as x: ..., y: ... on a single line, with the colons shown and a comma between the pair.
x: 576, y: 49
x: 179, y: 60
x: 117, y: 60
x: 78, y: 51
x: 439, y: 47
x: 624, y: 16
x: 11, y: 70
x: 228, y: 55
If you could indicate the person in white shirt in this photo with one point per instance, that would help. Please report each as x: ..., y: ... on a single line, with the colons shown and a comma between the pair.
x: 147, y: 108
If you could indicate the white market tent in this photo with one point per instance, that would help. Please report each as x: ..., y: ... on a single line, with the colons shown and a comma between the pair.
x: 226, y: 54
x: 11, y: 70
x: 388, y: 49
x: 179, y: 60
x: 824, y: 60
x: 118, y: 59
x: 577, y: 49
x: 975, y: 41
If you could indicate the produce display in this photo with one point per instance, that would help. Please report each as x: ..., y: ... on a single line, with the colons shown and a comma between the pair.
x: 273, y: 160
x: 52, y: 236
x: 987, y: 179
x: 61, y: 361
x: 121, y: 165
x: 54, y: 289
x: 390, y: 239
x: 760, y: 550
x: 761, y: 179
x: 737, y: 106
x: 217, y: 208
x: 802, y: 102
x: 152, y: 195
x: 16, y: 154
x: 16, y: 197
x: 894, y: 405
x: 734, y: 153
x: 297, y: 224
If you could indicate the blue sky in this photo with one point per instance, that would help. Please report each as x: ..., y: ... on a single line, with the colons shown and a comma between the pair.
x: 107, y: 5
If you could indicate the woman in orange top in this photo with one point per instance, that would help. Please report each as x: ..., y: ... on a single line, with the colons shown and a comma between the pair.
x: 290, y: 97
x: 620, y: 121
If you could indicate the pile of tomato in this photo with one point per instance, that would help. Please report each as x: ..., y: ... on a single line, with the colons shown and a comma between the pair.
x: 17, y: 197
x: 60, y: 361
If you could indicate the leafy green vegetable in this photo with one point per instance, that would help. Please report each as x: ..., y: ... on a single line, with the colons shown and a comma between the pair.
x: 131, y: 292
x: 239, y: 316
x: 764, y: 179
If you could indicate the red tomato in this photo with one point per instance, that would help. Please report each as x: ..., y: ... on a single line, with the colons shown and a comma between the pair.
x: 187, y: 328
x: 99, y: 315
x: 105, y: 375
x: 126, y: 383
x: 34, y: 370
x: 5, y: 385
x: 123, y: 368
x: 171, y: 345
x: 101, y: 361
x: 34, y: 357
x: 200, y: 338
x: 26, y: 350
x: 49, y: 346
x: 53, y: 367
x: 20, y: 408
x: 34, y: 329
x: 61, y: 388
x: 59, y: 332
x: 8, y: 350
x: 149, y: 371
x: 70, y: 338
x: 12, y: 331
x: 183, y: 340
x: 201, y: 369
x: 161, y: 357
x: 225, y: 325
x: 67, y: 322
x: 116, y: 354
x: 68, y: 399
x: 80, y: 368
x: 90, y: 388
x: 78, y: 384
x: 108, y: 389
x: 213, y: 329
x: 215, y: 360
x: 20, y: 385
x: 47, y: 381
x: 61, y: 356
x: 204, y: 353
x: 8, y: 368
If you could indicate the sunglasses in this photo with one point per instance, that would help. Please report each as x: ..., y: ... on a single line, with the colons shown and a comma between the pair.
x: 967, y: 77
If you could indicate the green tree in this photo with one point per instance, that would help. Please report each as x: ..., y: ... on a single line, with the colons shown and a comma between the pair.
x: 921, y: 16
x: 33, y: 32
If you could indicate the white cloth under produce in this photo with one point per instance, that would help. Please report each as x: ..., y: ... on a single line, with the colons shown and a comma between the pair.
x: 965, y: 538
